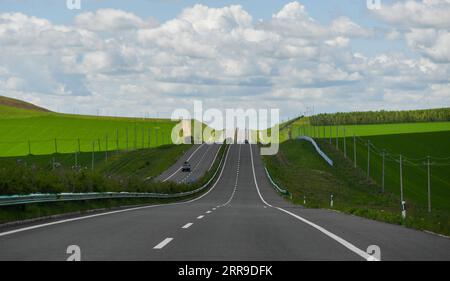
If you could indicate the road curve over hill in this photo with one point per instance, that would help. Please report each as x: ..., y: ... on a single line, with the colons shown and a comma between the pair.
x: 240, y: 218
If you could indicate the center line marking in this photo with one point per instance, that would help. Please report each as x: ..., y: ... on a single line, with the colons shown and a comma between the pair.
x: 200, y: 217
x: 163, y: 243
x: 213, y: 209
x: 208, y: 212
x: 187, y: 225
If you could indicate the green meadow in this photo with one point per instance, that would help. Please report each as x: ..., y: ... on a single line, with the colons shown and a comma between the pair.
x: 24, y: 132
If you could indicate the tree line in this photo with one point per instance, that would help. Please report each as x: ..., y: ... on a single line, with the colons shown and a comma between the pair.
x: 381, y: 117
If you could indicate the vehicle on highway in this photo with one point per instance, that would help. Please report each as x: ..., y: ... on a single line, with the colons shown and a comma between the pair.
x: 186, y: 167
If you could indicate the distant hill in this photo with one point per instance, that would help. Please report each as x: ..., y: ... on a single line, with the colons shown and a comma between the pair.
x: 5, y: 101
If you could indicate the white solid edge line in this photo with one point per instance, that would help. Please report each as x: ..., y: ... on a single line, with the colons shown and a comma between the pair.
x: 172, y: 175
x: 200, y: 217
x: 214, y: 160
x: 187, y: 225
x: 118, y: 211
x: 163, y: 244
x: 190, y: 156
x: 338, y: 239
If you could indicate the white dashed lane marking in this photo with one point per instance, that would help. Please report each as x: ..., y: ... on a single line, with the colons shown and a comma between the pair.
x: 163, y: 244
x: 187, y: 225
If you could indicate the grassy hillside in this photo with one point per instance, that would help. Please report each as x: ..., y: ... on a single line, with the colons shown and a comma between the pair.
x: 29, y: 131
x: 367, y: 130
x: 15, y: 103
x: 298, y: 168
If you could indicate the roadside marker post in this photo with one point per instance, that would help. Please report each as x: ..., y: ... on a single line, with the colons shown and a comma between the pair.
x: 331, y: 201
x: 403, y: 209
x: 304, y: 199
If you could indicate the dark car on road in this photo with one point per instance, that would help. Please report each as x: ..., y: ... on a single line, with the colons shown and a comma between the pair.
x: 186, y: 167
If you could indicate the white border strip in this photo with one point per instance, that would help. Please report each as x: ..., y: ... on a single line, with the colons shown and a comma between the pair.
x: 321, y: 153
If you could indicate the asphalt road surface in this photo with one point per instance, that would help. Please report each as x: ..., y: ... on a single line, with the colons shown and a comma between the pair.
x: 200, y: 156
x: 240, y: 218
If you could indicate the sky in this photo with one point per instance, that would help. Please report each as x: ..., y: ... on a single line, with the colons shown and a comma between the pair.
x: 150, y: 57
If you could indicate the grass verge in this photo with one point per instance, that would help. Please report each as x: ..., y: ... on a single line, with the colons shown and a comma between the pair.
x: 300, y: 170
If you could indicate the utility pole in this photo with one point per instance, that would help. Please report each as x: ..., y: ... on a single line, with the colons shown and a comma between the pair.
x: 354, y: 149
x: 382, y: 172
x: 331, y: 132
x: 401, y: 180
x: 368, y: 159
x: 117, y: 140
x: 345, y: 146
x: 127, y: 137
x: 429, y: 184
x: 337, y: 137
x: 93, y: 156
x: 106, y: 149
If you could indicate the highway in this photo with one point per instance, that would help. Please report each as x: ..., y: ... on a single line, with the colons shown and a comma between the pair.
x: 200, y: 156
x: 240, y: 217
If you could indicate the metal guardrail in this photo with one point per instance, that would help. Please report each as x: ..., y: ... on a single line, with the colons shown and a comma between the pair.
x: 279, y: 189
x: 42, y: 198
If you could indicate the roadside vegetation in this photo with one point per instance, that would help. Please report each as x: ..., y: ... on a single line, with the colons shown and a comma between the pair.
x: 381, y: 117
x: 124, y: 172
x: 300, y: 170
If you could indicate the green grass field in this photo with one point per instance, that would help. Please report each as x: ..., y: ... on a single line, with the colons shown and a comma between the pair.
x: 24, y: 132
x: 301, y: 127
x: 298, y: 168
